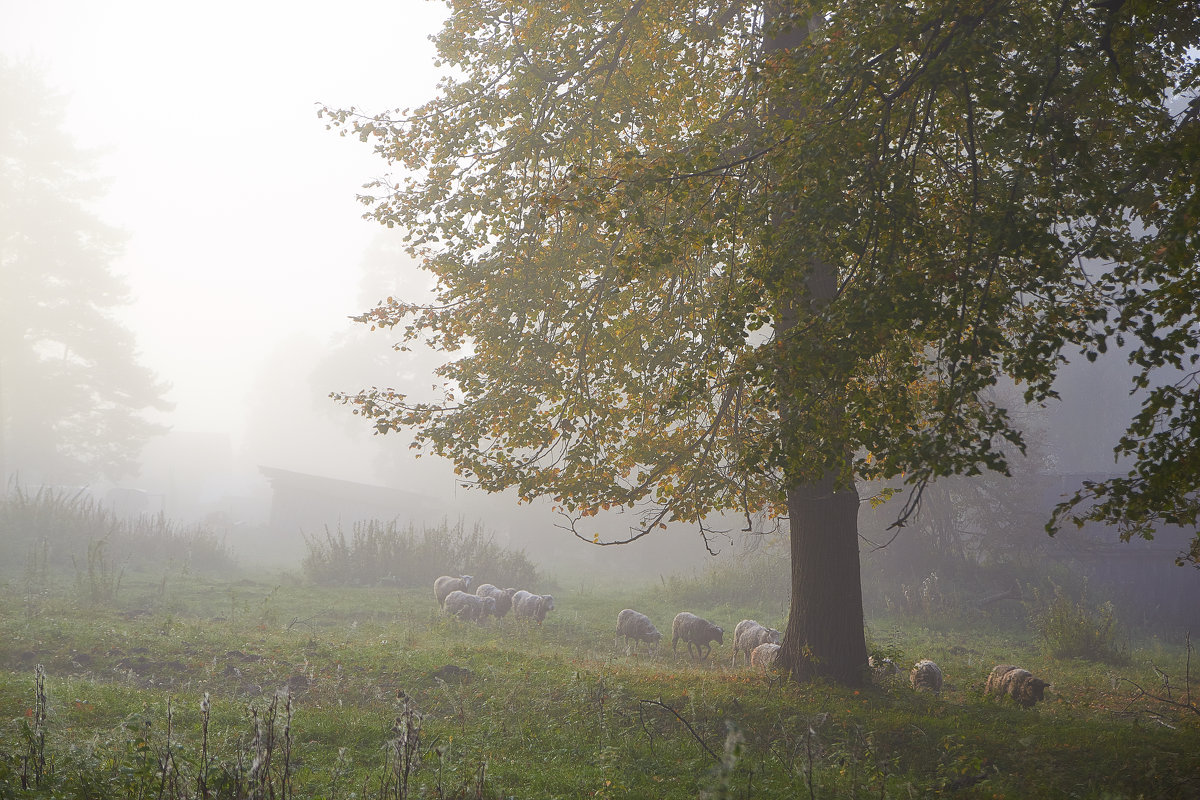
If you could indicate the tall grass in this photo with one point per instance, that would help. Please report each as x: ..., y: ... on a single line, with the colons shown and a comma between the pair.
x: 378, y: 551
x: 56, y: 528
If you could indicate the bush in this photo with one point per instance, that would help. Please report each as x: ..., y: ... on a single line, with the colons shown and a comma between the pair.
x: 378, y: 551
x: 1070, y: 629
x: 56, y: 528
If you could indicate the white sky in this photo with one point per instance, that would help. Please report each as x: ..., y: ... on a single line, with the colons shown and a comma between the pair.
x: 239, y: 205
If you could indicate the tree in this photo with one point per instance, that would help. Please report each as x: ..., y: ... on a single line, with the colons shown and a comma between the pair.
x: 696, y: 257
x: 71, y: 391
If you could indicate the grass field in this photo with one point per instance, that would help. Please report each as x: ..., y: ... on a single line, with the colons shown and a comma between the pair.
x: 336, y: 693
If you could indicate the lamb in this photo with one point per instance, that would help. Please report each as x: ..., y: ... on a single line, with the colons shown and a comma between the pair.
x: 503, y: 597
x: 634, y: 625
x: 765, y: 655
x: 447, y: 584
x: 926, y: 675
x: 1017, y: 683
x: 531, y: 606
x: 697, y: 632
x: 748, y: 635
x: 468, y: 606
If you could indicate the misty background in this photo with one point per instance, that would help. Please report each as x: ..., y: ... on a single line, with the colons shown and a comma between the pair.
x: 245, y: 254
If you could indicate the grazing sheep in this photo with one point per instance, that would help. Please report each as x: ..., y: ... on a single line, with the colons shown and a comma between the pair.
x: 526, y: 605
x: 503, y: 597
x: 468, y: 606
x: 883, y: 666
x: 447, y: 584
x: 634, y: 625
x: 926, y: 675
x: 765, y: 655
x: 748, y: 635
x: 697, y: 632
x: 1017, y: 683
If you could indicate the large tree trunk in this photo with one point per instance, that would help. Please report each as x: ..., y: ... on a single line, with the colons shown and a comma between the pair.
x: 824, y: 636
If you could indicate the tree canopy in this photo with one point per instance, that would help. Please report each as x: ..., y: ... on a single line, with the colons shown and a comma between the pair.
x: 696, y: 257
x: 71, y: 390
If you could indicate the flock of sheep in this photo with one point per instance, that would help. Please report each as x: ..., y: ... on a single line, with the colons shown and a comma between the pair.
x: 755, y: 642
x: 454, y: 596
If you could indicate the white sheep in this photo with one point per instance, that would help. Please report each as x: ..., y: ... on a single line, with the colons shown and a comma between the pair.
x: 926, y: 675
x: 1017, y: 683
x: 637, y: 626
x: 526, y: 605
x: 883, y: 667
x: 748, y: 635
x: 503, y: 597
x: 447, y: 584
x: 468, y: 606
x: 697, y: 632
x: 765, y: 655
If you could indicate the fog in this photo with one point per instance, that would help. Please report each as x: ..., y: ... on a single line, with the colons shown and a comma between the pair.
x: 246, y: 253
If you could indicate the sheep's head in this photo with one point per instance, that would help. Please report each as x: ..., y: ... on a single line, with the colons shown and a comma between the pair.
x: 548, y: 601
x: 1037, y: 690
x: 466, y: 579
x: 720, y: 635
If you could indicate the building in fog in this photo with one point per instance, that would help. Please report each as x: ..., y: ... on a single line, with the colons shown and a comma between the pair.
x: 310, y: 503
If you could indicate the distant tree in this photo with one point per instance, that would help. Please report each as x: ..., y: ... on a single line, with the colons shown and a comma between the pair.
x: 71, y: 390
x: 697, y: 257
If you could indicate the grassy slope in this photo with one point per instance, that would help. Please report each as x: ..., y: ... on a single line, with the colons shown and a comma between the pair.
x: 556, y: 710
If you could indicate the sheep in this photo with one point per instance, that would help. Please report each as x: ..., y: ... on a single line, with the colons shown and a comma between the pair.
x: 748, y: 635
x: 765, y: 655
x: 503, y: 597
x: 926, y: 675
x: 447, y: 584
x: 526, y: 605
x: 697, y: 632
x: 468, y: 606
x: 634, y: 625
x: 1017, y: 683
x: 883, y: 667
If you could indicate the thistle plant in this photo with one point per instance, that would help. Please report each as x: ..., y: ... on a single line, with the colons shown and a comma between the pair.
x: 405, y: 745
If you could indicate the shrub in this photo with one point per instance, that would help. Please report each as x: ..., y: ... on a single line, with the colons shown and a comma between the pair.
x: 1070, y: 629
x: 59, y: 528
x: 377, y: 550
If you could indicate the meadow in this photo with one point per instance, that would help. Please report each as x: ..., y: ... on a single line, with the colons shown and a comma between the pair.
x: 188, y: 686
x: 138, y: 659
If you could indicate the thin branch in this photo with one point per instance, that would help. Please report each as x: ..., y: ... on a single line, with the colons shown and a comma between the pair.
x: 686, y: 724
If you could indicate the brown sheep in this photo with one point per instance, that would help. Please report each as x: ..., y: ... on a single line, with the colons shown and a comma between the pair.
x: 1017, y: 683
x: 697, y: 632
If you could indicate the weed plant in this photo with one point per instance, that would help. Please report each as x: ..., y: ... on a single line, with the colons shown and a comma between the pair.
x: 1070, y: 628
x: 51, y: 528
x: 386, y: 552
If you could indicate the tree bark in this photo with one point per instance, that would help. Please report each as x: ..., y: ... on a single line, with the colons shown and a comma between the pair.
x: 824, y: 636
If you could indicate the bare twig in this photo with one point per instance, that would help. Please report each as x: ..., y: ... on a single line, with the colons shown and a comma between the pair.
x: 686, y: 724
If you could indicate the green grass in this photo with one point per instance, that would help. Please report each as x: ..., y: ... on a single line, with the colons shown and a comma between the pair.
x: 558, y: 710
